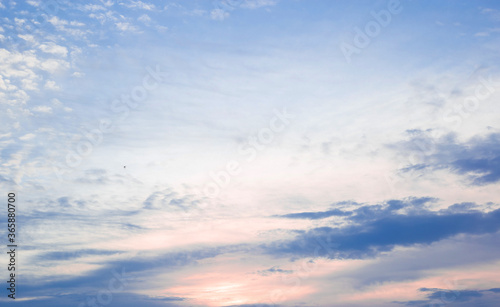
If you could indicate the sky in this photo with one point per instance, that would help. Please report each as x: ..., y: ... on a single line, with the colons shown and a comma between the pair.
x: 251, y: 152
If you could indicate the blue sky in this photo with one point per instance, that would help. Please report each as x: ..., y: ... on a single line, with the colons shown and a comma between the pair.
x: 252, y: 152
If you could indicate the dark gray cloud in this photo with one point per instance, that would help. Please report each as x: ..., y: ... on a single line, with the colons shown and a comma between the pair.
x: 168, y: 199
x: 137, y: 268
x: 441, y: 297
x: 274, y: 270
x: 478, y: 159
x: 365, y: 212
x: 69, y: 255
x: 122, y: 299
x: 315, y: 215
x: 380, y: 228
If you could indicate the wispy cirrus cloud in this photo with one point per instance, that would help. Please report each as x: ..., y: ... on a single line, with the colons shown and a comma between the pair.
x: 311, y: 218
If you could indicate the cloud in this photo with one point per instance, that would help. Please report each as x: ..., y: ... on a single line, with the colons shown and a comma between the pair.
x: 478, y: 159
x: 27, y: 37
x: 72, y: 255
x: 256, y: 305
x: 170, y: 200
x: 219, y: 14
x: 379, y: 230
x: 42, y: 109
x: 144, y: 18
x: 456, y: 297
x: 315, y: 215
x: 54, y: 49
x: 53, y: 65
x: 57, y: 22
x: 447, y: 295
x: 255, y: 4
x: 33, y: 3
x: 274, y: 270
x: 89, y: 298
x: 51, y: 85
x: 409, y: 205
x: 132, y: 267
x: 93, y: 7
x: 125, y: 26
x: 27, y: 137
x: 492, y: 13
x: 223, y: 7
x: 95, y: 176
x: 139, y: 5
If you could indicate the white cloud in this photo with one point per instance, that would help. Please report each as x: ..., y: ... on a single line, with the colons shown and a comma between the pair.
x: 125, y: 26
x: 17, y: 68
x: 29, y: 58
x: 77, y: 24
x: 43, y: 109
x: 3, y: 86
x: 107, y: 3
x: 255, y: 4
x: 33, y: 3
x: 144, y: 18
x: 54, y: 49
x: 494, y: 13
x: 28, y: 37
x: 197, y: 12
x: 56, y: 21
x: 27, y: 137
x: 219, y: 14
x: 62, y: 25
x: 56, y: 102
x: 488, y: 32
x: 51, y: 85
x: 140, y: 5
x: 53, y: 65
x: 161, y: 28
x: 103, y: 17
x: 29, y: 84
x: 93, y: 7
x: 19, y: 22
